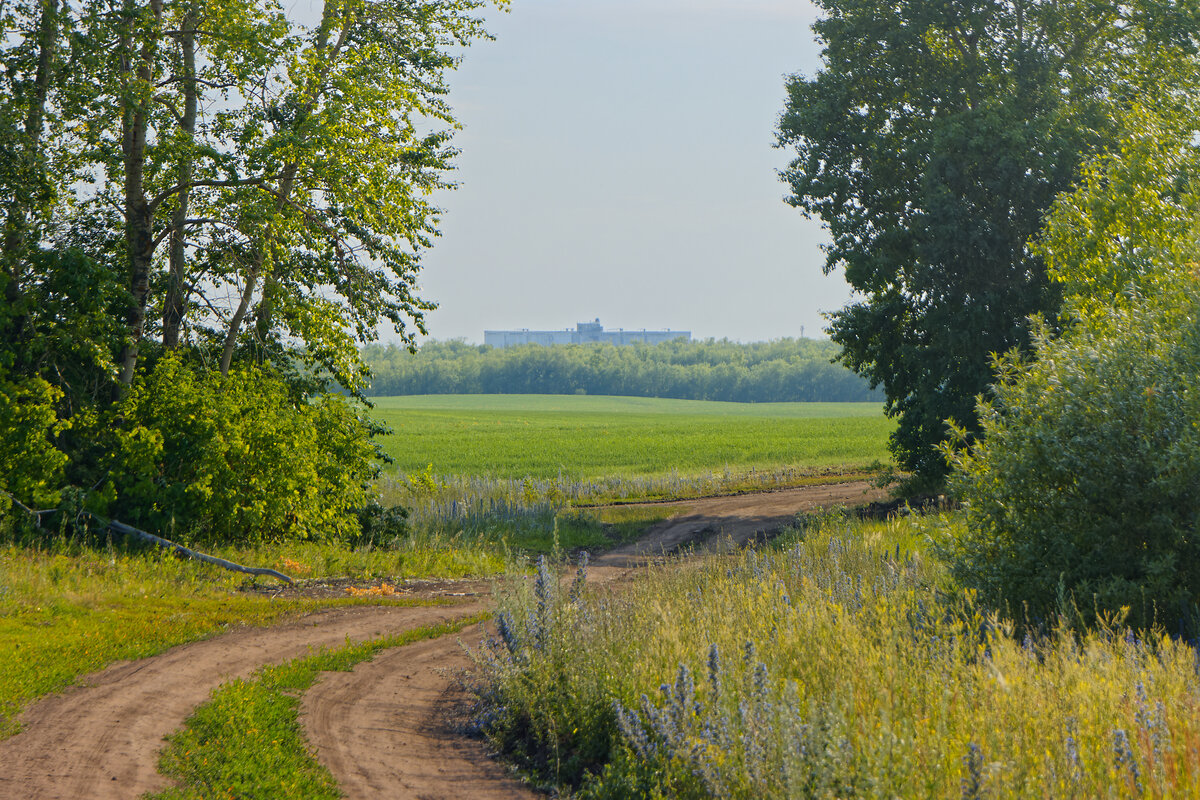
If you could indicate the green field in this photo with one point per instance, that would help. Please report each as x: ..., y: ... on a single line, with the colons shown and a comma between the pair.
x: 587, y: 437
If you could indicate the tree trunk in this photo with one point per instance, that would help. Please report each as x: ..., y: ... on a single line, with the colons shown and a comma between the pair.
x: 16, y: 225
x: 139, y: 221
x: 286, y: 183
x: 177, y: 288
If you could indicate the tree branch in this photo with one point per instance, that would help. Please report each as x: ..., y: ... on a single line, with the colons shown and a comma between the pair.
x: 174, y: 190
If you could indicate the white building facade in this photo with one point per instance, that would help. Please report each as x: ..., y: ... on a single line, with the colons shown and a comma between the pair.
x: 583, y: 333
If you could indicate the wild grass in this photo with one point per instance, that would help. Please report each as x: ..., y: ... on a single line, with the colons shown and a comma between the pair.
x: 840, y: 663
x: 596, y: 438
x: 246, y: 741
x: 431, y: 496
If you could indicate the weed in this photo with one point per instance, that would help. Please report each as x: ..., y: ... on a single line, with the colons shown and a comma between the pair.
x: 841, y: 662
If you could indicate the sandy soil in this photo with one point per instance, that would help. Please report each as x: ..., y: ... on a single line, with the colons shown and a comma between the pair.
x: 739, y: 519
x: 383, y: 728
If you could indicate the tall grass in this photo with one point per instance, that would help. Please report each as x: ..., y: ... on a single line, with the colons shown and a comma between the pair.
x: 840, y: 664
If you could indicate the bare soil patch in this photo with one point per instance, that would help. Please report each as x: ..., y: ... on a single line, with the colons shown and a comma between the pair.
x: 383, y: 588
x: 386, y: 729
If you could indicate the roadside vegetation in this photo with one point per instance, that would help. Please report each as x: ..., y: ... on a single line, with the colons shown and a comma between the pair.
x: 784, y: 370
x: 840, y: 662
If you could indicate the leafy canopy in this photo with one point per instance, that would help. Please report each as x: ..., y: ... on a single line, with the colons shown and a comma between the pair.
x: 930, y: 143
x: 1081, y: 495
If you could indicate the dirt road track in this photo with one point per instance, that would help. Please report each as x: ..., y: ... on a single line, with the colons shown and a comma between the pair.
x: 380, y: 728
x: 740, y: 518
x: 100, y: 741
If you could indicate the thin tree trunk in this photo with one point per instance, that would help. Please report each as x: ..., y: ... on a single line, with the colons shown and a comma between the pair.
x: 286, y: 182
x: 16, y: 225
x: 235, y: 322
x: 329, y: 54
x: 139, y: 222
x: 177, y: 291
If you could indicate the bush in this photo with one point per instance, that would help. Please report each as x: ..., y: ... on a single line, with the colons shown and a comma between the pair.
x: 237, y: 458
x: 30, y: 464
x: 1084, y: 487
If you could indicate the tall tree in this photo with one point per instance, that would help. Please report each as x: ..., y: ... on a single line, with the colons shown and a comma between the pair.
x: 930, y: 143
x: 26, y: 189
x: 355, y: 140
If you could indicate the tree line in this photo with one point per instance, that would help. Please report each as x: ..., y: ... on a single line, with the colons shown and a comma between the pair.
x: 784, y: 370
x: 205, y: 207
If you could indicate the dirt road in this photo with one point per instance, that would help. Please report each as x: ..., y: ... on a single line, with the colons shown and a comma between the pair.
x: 381, y: 729
x: 740, y: 518
x: 100, y: 740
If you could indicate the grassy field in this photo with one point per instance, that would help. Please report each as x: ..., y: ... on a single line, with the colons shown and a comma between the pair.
x: 584, y: 437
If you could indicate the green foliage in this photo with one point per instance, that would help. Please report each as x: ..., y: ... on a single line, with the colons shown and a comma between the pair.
x: 238, y: 458
x: 930, y: 142
x: 30, y: 465
x: 381, y: 525
x: 542, y: 436
x: 278, y: 229
x: 785, y: 370
x: 1131, y: 221
x: 1082, y: 493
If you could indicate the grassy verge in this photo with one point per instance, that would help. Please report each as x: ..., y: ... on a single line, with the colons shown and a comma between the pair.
x: 66, y: 610
x: 246, y: 741
x: 840, y: 663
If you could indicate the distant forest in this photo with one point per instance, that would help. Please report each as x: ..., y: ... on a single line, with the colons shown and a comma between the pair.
x: 784, y: 370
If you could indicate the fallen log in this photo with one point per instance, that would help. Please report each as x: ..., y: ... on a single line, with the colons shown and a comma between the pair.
x: 128, y: 530
x: 184, y: 552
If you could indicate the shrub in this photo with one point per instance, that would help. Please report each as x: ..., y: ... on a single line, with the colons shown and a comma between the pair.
x: 238, y: 458
x: 1084, y: 486
x: 30, y: 464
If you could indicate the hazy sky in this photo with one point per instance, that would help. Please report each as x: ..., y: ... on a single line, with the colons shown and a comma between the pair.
x: 617, y: 162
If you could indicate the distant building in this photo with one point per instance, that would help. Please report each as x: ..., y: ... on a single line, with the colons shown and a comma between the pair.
x: 584, y: 332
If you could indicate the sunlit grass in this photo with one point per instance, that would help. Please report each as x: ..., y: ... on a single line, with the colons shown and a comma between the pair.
x: 839, y: 663
x: 587, y: 438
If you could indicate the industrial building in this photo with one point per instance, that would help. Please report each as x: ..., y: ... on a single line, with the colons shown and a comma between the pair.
x: 583, y: 333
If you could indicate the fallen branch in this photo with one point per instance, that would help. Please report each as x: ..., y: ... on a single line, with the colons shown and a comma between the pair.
x: 184, y: 552
x: 167, y: 544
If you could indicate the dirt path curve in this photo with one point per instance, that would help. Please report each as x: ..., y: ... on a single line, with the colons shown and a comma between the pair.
x: 382, y: 728
x: 100, y: 740
x: 740, y: 518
